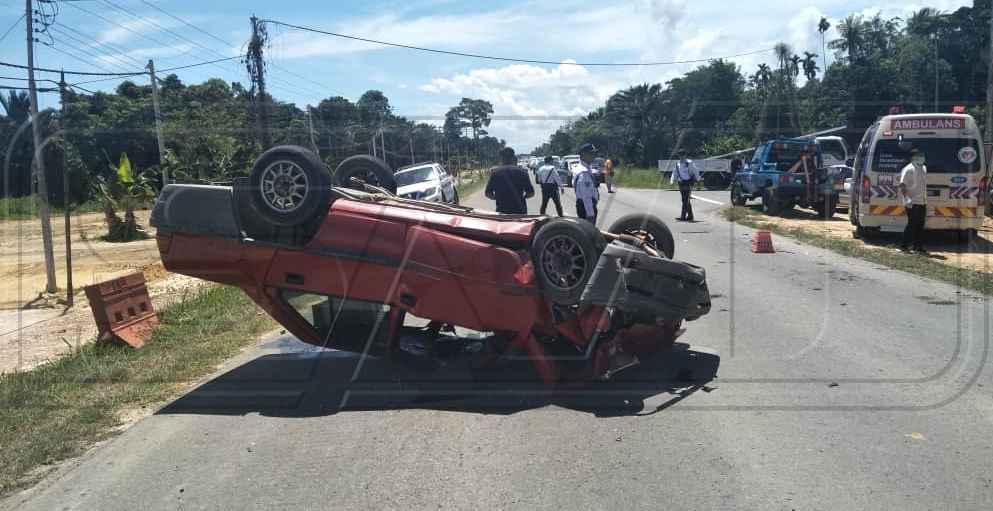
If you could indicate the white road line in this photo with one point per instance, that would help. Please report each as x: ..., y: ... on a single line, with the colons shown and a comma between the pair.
x: 697, y: 197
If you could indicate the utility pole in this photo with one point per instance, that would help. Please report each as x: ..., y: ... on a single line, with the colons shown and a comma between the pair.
x: 310, y: 129
x: 65, y: 194
x: 935, y: 37
x: 158, y: 122
x: 39, y: 162
x: 989, y: 110
x: 256, y: 68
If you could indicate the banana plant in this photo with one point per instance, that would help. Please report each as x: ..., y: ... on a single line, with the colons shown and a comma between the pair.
x: 124, y: 191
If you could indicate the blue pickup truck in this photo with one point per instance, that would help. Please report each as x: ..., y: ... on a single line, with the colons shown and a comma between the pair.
x: 777, y: 175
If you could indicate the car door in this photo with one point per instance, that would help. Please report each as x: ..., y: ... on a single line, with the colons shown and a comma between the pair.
x: 447, y: 185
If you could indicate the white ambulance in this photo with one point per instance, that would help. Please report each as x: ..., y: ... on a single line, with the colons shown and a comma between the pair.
x: 957, y: 178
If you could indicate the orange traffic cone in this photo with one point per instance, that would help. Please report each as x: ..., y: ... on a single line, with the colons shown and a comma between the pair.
x: 762, y: 243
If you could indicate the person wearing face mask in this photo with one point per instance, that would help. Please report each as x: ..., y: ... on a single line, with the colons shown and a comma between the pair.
x: 913, y: 190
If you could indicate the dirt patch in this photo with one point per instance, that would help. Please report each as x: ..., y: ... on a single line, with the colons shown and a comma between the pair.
x: 36, y: 327
x: 943, y: 246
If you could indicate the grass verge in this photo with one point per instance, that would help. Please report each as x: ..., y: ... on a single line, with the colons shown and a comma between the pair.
x: 26, y: 208
x: 634, y: 177
x: 910, y: 263
x: 468, y: 187
x: 60, y: 409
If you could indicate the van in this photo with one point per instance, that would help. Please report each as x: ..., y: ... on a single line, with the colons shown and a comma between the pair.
x: 834, y: 151
x: 956, y: 178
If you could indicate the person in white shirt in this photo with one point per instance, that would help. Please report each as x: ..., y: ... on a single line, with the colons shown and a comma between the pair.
x: 686, y: 174
x: 585, y: 185
x: 551, y: 182
x: 913, y: 190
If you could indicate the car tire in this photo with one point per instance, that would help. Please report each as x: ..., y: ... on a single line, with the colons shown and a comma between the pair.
x: 291, y: 185
x: 770, y: 204
x: 651, y: 227
x: 966, y: 235
x: 565, y: 253
x: 737, y: 196
x: 826, y: 208
x: 367, y: 168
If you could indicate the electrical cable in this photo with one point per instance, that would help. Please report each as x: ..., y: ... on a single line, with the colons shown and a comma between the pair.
x: 12, y: 27
x: 511, y: 59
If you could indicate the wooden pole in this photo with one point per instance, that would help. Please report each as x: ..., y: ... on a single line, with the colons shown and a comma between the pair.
x: 158, y: 122
x: 39, y: 161
x: 65, y: 195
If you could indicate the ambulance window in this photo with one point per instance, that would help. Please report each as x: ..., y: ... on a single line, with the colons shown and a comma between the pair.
x: 943, y: 155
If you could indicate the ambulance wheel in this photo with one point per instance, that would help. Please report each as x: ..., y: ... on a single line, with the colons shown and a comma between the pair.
x: 966, y: 235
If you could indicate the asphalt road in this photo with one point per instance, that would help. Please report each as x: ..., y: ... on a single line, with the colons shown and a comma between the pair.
x: 839, y: 385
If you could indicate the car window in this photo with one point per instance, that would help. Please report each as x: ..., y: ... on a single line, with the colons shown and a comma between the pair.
x: 327, y: 314
x: 415, y: 175
x: 943, y: 155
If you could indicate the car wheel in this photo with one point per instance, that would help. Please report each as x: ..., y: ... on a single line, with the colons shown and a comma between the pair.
x: 966, y: 235
x: 371, y: 170
x: 649, y: 228
x: 826, y: 208
x: 291, y: 185
x: 770, y: 205
x: 565, y: 252
x: 737, y: 197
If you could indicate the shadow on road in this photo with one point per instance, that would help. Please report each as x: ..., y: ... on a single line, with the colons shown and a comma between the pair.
x: 317, y: 384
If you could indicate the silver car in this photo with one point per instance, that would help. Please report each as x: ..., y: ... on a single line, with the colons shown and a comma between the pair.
x: 427, y: 182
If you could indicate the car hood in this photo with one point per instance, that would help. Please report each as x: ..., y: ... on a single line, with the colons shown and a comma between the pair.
x: 416, y: 187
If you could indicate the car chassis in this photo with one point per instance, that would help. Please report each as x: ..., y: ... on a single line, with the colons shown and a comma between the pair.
x: 580, y: 303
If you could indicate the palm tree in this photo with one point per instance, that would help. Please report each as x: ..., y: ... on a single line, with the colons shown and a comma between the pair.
x: 17, y: 106
x: 853, y: 33
x: 783, y: 54
x: 810, y: 65
x: 823, y: 27
x: 795, y: 66
x: 924, y: 22
x: 763, y: 76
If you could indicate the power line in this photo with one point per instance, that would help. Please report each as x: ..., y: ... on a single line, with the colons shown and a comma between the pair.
x: 108, y: 46
x: 77, y: 73
x: 99, y: 58
x: 511, y: 59
x: 180, y: 37
x: 226, y: 43
x: 12, y: 27
x: 76, y: 57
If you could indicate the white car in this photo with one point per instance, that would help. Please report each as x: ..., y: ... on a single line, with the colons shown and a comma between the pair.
x: 427, y: 182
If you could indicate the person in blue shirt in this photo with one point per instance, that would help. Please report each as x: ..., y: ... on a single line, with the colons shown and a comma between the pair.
x: 585, y: 185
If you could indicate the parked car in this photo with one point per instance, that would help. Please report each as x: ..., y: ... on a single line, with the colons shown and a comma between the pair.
x: 428, y: 182
x: 840, y: 175
x: 340, y: 263
x: 772, y: 176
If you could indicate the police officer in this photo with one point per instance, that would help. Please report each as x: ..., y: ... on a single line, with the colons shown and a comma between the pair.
x: 585, y: 185
x: 551, y: 182
x: 686, y: 174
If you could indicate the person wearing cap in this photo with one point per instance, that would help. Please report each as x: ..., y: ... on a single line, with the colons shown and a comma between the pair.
x: 585, y: 185
x: 550, y: 182
x: 686, y: 174
x: 913, y: 190
x: 509, y: 185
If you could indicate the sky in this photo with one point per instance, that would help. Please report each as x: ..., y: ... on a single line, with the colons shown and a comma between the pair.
x: 529, y: 100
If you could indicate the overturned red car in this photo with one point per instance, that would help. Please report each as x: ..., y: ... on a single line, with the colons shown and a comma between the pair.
x: 341, y: 262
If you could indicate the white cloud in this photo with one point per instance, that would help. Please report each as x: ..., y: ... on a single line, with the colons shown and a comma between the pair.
x: 126, y: 30
x: 529, y: 101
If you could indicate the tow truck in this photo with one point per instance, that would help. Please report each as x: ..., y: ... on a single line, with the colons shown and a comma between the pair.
x: 785, y: 173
